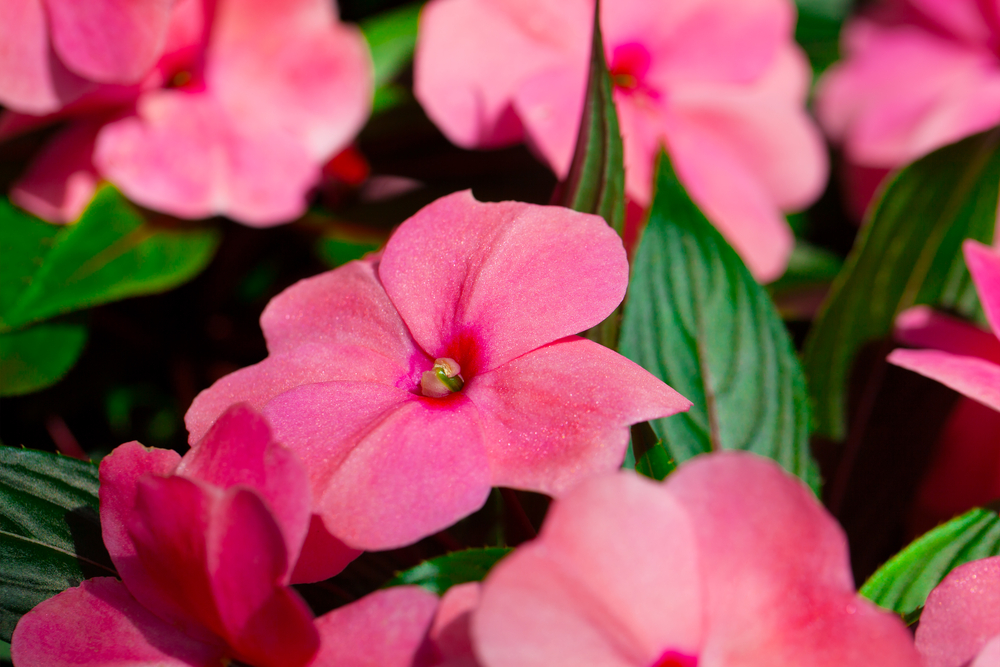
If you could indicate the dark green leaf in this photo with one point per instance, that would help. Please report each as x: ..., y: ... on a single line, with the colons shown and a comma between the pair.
x: 655, y: 463
x: 818, y: 30
x: 110, y: 254
x: 696, y: 319
x: 902, y: 584
x: 439, y: 574
x: 807, y: 265
x: 909, y: 253
x: 391, y: 37
x: 24, y: 242
x: 50, y: 532
x: 39, y: 356
x: 338, y: 248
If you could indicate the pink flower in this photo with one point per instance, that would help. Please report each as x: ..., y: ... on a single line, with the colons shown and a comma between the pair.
x: 960, y: 624
x: 729, y: 562
x: 205, y: 547
x: 719, y: 81
x: 411, y: 384
x: 54, y: 51
x: 248, y: 101
x: 966, y: 358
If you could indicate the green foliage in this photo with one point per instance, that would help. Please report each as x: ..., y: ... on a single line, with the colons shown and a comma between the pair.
x: 902, y: 584
x: 439, y: 574
x: 697, y: 320
x: 807, y: 265
x: 909, y: 253
x: 391, y: 37
x: 818, y: 30
x: 50, y: 532
x: 36, y: 357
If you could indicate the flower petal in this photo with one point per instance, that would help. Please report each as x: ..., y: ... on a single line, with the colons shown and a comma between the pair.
x: 385, y: 628
x: 485, y: 283
x: 339, y: 325
x: 61, y: 179
x: 567, y: 598
x: 387, y: 467
x: 561, y: 413
x: 322, y: 555
x: 239, y: 449
x: 110, y: 41
x: 960, y: 615
x: 777, y: 578
x: 984, y: 265
x: 450, y: 633
x: 99, y: 623
x: 184, y: 154
x: 976, y: 378
x: 922, y: 326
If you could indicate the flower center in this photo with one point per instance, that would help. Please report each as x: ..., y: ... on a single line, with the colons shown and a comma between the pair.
x: 673, y: 658
x: 442, y: 380
x: 629, y: 65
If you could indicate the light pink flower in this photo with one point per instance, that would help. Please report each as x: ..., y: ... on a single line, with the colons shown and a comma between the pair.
x: 960, y: 624
x: 729, y: 562
x: 719, y: 81
x: 965, y: 358
x: 248, y: 101
x: 205, y: 547
x: 54, y: 51
x: 493, y: 292
x: 916, y: 75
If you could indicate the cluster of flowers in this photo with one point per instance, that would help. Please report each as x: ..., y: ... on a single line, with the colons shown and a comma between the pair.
x: 399, y: 389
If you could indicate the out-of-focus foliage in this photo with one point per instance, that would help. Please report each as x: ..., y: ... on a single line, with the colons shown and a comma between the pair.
x: 818, y: 30
x: 696, y: 319
x: 909, y: 253
x: 391, y: 37
x: 50, y: 532
x: 439, y: 574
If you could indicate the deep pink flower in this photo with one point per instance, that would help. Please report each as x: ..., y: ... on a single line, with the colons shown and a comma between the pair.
x: 54, y: 51
x: 247, y: 103
x: 730, y: 562
x: 966, y: 358
x: 960, y: 624
x: 356, y: 379
x: 721, y: 82
x: 205, y: 547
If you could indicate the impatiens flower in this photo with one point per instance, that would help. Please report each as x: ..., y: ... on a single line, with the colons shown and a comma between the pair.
x: 54, y: 51
x: 205, y: 546
x: 960, y: 624
x: 729, y: 562
x: 916, y: 75
x: 247, y: 103
x: 720, y: 82
x: 966, y: 358
x: 412, y: 383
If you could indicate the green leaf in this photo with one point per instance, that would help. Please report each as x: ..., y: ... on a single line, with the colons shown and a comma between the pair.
x: 818, y: 30
x: 339, y: 247
x: 110, y: 254
x: 50, y: 531
x: 902, y: 584
x: 39, y: 356
x: 391, y: 37
x: 655, y: 463
x: 808, y: 265
x: 909, y: 253
x: 439, y: 574
x: 697, y: 320
x: 596, y: 180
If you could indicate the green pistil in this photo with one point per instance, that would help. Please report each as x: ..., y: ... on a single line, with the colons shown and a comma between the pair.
x: 453, y: 383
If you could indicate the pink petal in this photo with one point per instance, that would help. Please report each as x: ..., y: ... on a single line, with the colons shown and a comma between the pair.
x: 120, y: 472
x: 110, y: 41
x: 922, y: 326
x: 903, y: 92
x: 549, y: 105
x: 561, y: 413
x: 976, y: 378
x: 459, y: 41
x: 731, y: 195
x: 99, y: 623
x: 450, y: 633
x: 990, y: 655
x: 322, y: 556
x: 960, y: 616
x: 32, y: 78
x: 387, y: 467
x: 984, y: 265
x: 485, y: 283
x: 384, y: 629
x: 239, y: 449
x: 769, y: 601
x: 61, y: 180
x: 339, y: 325
x: 219, y: 560
x: 292, y: 65
x: 184, y: 154
x: 568, y: 598
x: 963, y: 18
